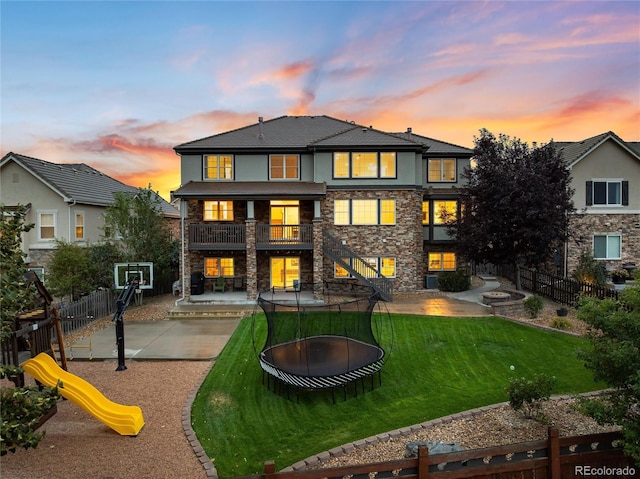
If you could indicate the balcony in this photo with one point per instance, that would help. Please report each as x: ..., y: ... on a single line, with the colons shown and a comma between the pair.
x: 217, y: 236
x: 284, y: 237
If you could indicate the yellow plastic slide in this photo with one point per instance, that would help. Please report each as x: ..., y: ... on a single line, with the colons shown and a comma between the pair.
x: 125, y: 420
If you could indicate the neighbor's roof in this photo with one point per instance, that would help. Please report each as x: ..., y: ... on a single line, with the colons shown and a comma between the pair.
x: 251, y: 190
x: 79, y: 182
x: 308, y: 133
x: 573, y: 152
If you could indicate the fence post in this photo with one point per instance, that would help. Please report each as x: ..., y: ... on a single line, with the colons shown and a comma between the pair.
x: 553, y: 445
x: 423, y: 462
x: 269, y: 470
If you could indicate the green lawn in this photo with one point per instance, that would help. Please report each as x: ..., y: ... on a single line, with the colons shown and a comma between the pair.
x: 438, y: 366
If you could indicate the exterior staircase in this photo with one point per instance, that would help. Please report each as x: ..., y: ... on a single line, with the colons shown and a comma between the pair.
x: 356, y: 266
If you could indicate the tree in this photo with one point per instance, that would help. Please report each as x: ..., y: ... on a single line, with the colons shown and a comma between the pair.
x: 614, y: 333
x: 69, y: 272
x: 21, y: 407
x: 138, y: 219
x: 517, y: 202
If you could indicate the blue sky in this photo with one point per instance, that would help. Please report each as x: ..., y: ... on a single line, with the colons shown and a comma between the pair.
x: 118, y: 84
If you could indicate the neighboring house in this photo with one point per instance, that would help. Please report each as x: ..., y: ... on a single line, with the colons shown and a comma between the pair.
x: 310, y: 199
x: 65, y: 202
x: 605, y: 173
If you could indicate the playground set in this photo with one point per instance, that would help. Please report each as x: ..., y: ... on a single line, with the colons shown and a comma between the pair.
x: 36, y: 338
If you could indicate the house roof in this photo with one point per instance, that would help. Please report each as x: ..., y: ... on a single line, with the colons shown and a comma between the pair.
x: 573, y: 152
x: 436, y: 147
x: 309, y: 133
x: 79, y: 182
x: 250, y: 190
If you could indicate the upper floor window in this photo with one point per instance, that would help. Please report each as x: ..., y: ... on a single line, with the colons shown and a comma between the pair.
x: 442, y: 169
x: 47, y: 225
x: 218, y: 167
x: 364, y: 165
x: 607, y: 246
x: 425, y: 212
x: 365, y: 212
x: 284, y: 167
x: 607, y: 193
x: 79, y: 231
x: 218, y: 210
x: 444, y: 211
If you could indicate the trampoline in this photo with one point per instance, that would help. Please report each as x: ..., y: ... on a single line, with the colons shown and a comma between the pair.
x: 328, y: 345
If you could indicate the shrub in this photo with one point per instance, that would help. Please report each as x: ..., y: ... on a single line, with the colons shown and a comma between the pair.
x: 561, y: 323
x: 589, y: 269
x: 527, y: 395
x: 454, y: 281
x: 533, y: 305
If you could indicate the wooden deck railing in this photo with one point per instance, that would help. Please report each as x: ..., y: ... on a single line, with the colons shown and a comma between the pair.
x: 553, y: 458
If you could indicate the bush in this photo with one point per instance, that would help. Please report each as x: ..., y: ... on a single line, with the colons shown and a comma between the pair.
x: 561, y: 323
x: 527, y: 395
x: 454, y: 281
x: 590, y: 270
x: 533, y: 305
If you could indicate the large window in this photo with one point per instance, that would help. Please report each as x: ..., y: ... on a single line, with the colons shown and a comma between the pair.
x: 284, y: 167
x: 386, y: 266
x: 79, y: 230
x: 607, y: 193
x: 364, y: 165
x: 218, y: 167
x: 214, y: 267
x: 218, y: 210
x: 442, y: 261
x: 47, y: 225
x: 365, y: 212
x: 607, y: 246
x: 442, y: 170
x: 444, y: 211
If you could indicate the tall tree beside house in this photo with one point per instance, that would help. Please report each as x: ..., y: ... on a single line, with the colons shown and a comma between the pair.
x: 21, y: 407
x: 69, y: 271
x: 139, y: 223
x: 518, y: 199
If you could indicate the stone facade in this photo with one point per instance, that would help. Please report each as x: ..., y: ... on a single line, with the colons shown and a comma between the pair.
x: 584, y: 226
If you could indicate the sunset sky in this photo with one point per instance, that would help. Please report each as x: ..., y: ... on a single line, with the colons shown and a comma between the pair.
x: 117, y: 85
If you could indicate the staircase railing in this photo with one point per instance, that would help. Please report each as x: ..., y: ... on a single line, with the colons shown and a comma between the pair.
x: 356, y: 266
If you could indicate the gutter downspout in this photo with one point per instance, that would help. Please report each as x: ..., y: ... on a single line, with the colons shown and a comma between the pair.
x: 71, y: 203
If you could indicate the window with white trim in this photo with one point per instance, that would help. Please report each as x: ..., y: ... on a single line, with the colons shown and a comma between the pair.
x: 365, y: 212
x: 607, y: 193
x: 218, y: 167
x: 218, y: 210
x: 215, y: 267
x: 79, y: 227
x: 441, y: 170
x: 284, y: 167
x: 442, y: 261
x: 607, y: 246
x: 47, y: 225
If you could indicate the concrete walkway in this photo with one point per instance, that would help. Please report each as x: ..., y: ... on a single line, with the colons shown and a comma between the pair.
x: 204, y: 339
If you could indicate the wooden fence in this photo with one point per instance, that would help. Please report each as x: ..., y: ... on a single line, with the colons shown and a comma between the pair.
x: 559, y: 289
x: 78, y: 314
x: 596, y: 455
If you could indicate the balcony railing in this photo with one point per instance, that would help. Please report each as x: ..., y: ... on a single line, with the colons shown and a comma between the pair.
x: 217, y: 236
x: 284, y: 236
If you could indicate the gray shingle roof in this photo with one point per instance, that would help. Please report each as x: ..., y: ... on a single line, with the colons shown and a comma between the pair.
x: 80, y: 182
x: 308, y: 132
x: 436, y: 147
x: 575, y: 151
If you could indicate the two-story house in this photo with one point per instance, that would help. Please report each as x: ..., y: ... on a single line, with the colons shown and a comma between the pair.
x: 307, y: 199
x: 605, y: 172
x: 66, y: 202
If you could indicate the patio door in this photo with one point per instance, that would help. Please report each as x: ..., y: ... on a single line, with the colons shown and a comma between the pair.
x: 284, y: 271
x: 285, y: 218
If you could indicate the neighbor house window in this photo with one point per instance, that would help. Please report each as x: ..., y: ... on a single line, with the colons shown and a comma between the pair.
x: 218, y: 167
x: 365, y: 212
x: 607, y: 193
x: 284, y: 167
x: 607, y: 246
x: 442, y: 169
x: 47, y: 225
x: 214, y: 267
x: 444, y: 211
x: 39, y: 273
x: 218, y: 210
x: 442, y: 261
x: 79, y: 231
